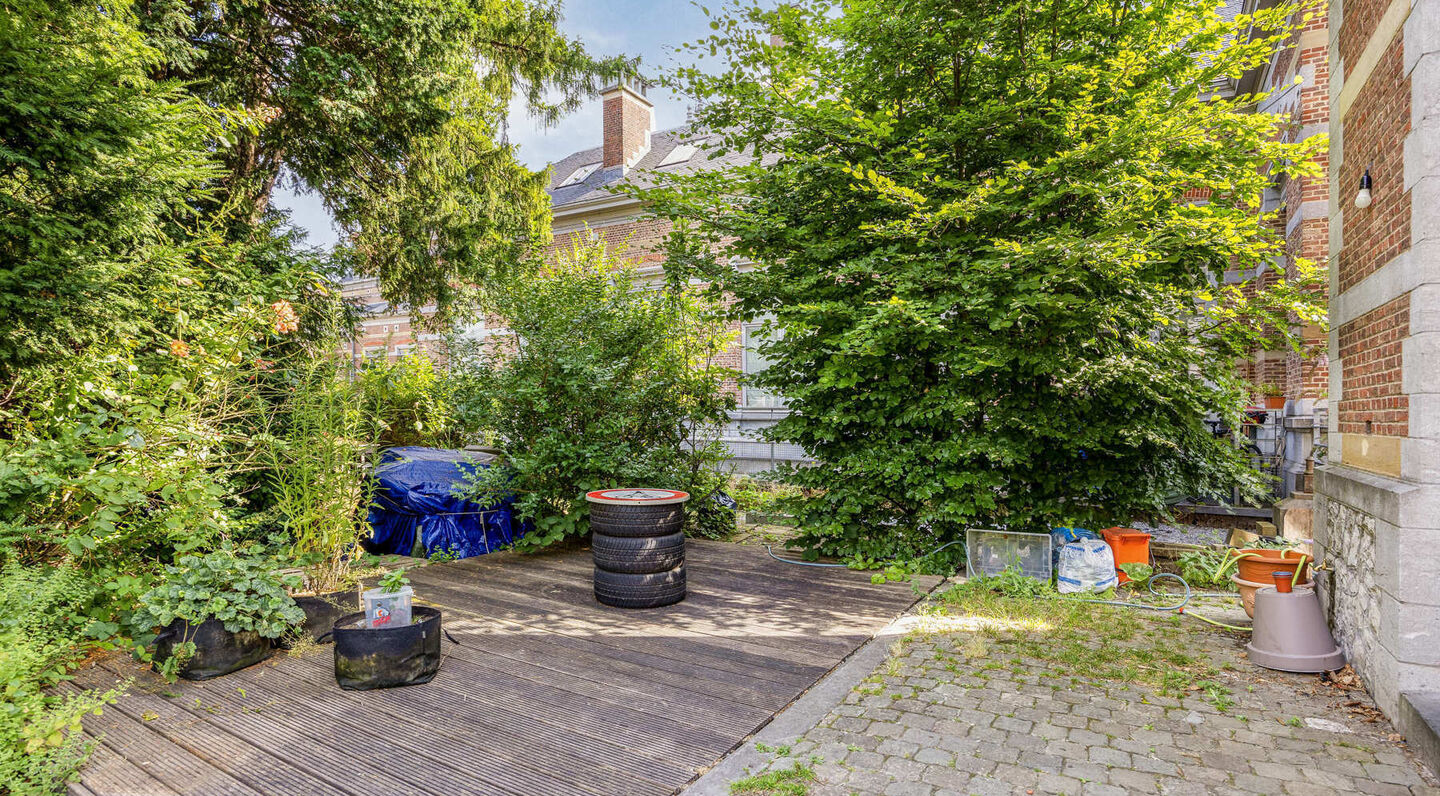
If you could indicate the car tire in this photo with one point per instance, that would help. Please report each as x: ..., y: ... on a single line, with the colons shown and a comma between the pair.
x: 638, y: 554
x: 628, y: 590
x: 633, y: 521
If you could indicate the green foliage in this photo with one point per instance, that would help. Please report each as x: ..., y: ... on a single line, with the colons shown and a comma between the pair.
x: 1139, y: 574
x: 394, y: 581
x: 1205, y: 568
x: 414, y: 403
x: 792, y: 780
x: 239, y: 587
x: 318, y: 453
x: 43, y: 628
x: 605, y: 383
x: 381, y: 109
x: 97, y: 161
x: 998, y: 307
x: 1010, y: 583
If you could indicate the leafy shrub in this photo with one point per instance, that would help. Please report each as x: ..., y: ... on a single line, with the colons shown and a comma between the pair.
x: 413, y: 402
x: 240, y: 588
x: 43, y: 629
x: 604, y: 383
x: 1204, y: 569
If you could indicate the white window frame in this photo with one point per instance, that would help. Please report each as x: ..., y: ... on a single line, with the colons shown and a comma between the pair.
x: 774, y: 401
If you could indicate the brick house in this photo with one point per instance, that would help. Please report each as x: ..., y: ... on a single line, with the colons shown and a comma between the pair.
x: 583, y: 203
x: 1377, y: 524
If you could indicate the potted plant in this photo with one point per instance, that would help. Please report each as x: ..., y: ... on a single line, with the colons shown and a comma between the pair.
x: 218, y: 613
x: 388, y: 604
x: 1274, y: 396
x: 390, y: 643
x: 318, y: 449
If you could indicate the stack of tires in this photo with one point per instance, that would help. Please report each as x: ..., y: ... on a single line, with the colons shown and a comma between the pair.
x: 638, y: 541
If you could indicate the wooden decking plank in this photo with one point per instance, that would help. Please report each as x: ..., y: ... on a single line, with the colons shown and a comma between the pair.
x: 573, y: 577
x: 108, y: 772
x: 624, y: 667
x: 516, y: 731
x: 304, y: 749
x: 605, y: 626
x: 167, y: 762
x: 406, y: 750
x: 548, y: 693
x: 261, y: 770
x: 556, y: 594
x: 753, y: 558
x: 618, y: 680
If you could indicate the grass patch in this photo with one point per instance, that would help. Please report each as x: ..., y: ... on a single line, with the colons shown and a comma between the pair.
x: 793, y: 781
x: 1074, y: 639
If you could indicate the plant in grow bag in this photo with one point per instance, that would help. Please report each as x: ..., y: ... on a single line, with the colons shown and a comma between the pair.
x: 238, y: 588
x: 394, y: 581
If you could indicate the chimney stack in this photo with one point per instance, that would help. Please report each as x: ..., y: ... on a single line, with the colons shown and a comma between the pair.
x: 629, y: 121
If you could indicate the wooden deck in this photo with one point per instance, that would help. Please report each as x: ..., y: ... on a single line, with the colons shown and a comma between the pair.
x: 547, y: 692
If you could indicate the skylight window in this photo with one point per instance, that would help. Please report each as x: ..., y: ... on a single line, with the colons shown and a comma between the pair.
x: 679, y: 154
x: 579, y: 175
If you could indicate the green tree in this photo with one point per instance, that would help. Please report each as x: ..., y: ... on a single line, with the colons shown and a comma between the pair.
x: 999, y: 304
x: 98, y: 166
x: 394, y: 112
x: 601, y: 381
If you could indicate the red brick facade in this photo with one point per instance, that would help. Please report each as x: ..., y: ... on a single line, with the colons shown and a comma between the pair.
x: 1375, y: 130
x: 1372, y: 401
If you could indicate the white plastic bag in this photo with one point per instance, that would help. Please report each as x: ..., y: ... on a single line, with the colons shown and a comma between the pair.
x: 1086, y: 565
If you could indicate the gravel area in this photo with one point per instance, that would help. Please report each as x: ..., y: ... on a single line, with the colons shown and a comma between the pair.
x: 1183, y: 533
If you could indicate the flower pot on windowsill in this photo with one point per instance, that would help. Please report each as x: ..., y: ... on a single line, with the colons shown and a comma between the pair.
x: 1274, y: 402
x: 217, y: 650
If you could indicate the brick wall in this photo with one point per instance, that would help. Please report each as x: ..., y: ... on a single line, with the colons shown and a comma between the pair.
x: 627, y: 123
x: 1375, y: 130
x: 1361, y: 18
x: 1371, y: 398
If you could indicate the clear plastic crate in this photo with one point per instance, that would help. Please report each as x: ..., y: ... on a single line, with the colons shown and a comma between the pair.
x: 990, y: 552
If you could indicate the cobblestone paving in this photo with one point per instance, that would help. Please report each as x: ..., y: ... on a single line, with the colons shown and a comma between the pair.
x: 947, y: 715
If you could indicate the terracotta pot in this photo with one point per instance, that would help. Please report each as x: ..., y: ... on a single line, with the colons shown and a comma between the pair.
x: 1282, y: 581
x: 1274, y: 402
x: 1247, y: 593
x: 1258, y: 566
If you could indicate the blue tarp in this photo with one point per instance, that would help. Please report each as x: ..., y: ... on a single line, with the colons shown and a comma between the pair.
x: 414, y: 498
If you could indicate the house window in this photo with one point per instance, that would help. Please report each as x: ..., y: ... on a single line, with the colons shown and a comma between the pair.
x: 680, y: 154
x: 753, y: 336
x: 579, y: 175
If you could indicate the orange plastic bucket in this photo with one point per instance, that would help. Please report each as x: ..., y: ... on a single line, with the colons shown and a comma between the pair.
x: 1129, y: 546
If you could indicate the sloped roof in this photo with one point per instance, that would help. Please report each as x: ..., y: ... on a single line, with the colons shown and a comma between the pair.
x: 603, y: 182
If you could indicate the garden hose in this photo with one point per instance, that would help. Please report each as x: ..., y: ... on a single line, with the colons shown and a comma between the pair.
x: 1178, y: 608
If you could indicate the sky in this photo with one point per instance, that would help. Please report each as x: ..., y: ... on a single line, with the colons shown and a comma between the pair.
x: 650, y: 29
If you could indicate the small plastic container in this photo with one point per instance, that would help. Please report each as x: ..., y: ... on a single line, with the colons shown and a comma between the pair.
x: 1130, y: 547
x: 991, y: 552
x: 387, y: 608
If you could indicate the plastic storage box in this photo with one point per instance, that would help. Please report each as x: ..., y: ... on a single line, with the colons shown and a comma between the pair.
x: 387, y: 609
x: 989, y: 552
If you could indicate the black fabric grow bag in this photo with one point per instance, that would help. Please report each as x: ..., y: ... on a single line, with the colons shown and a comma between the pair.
x: 322, y: 611
x: 389, y: 656
x: 217, y: 650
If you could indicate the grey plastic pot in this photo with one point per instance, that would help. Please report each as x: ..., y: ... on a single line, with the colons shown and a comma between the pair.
x: 1290, y: 633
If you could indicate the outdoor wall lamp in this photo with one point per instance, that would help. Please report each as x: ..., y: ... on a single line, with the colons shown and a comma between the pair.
x: 1363, y: 198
